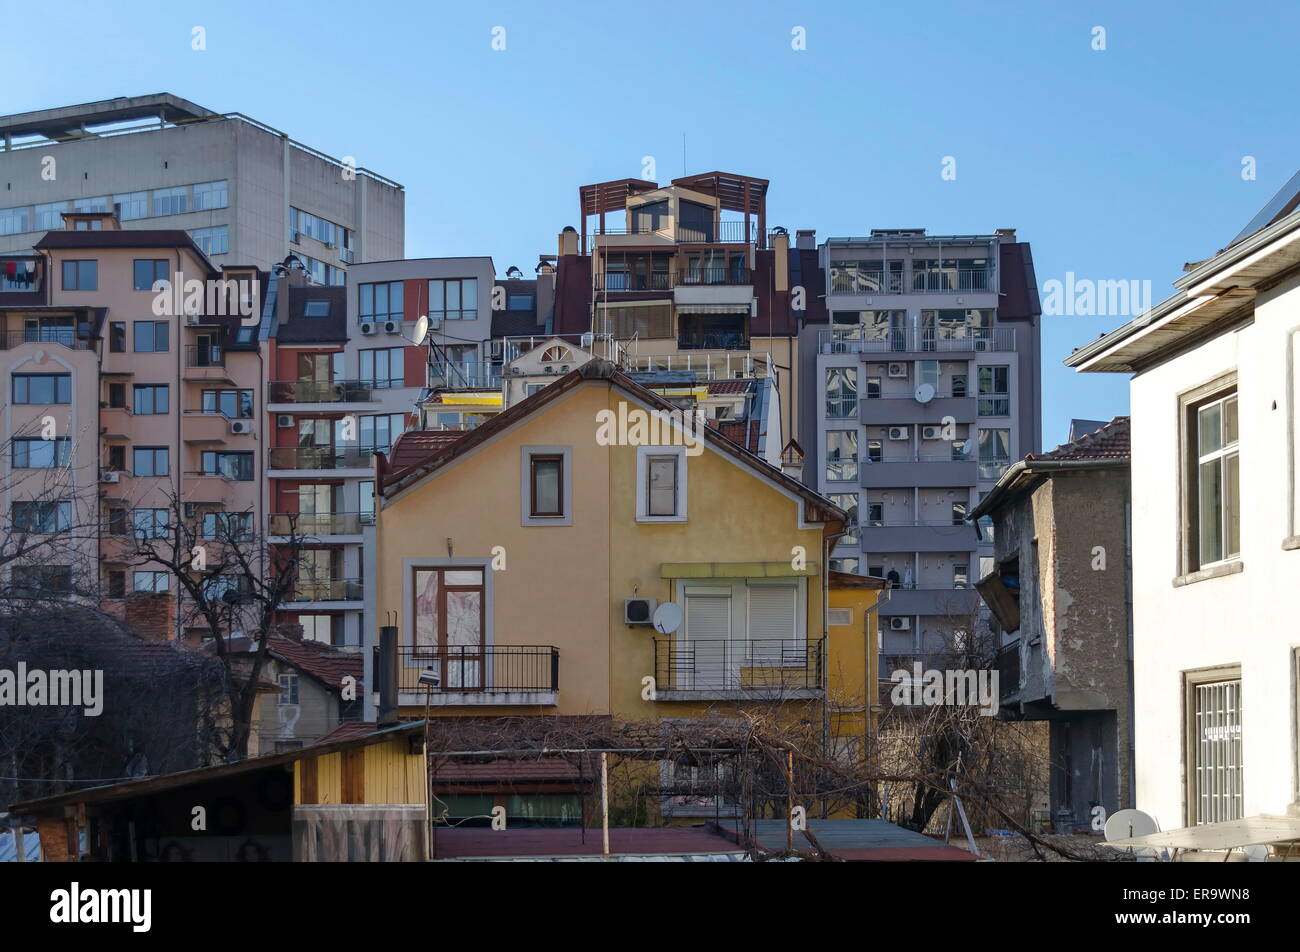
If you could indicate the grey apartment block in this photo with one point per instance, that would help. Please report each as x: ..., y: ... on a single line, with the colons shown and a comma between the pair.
x: 248, y: 193
x: 920, y: 387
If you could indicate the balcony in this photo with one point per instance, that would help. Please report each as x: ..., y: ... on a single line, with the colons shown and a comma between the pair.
x: 903, y: 409
x: 918, y: 536
x: 315, y: 524
x: 911, y: 340
x: 941, y: 600
x: 204, y: 355
x: 616, y: 281
x: 737, y: 669
x: 866, y: 281
x: 63, y: 336
x: 934, y: 280
x: 476, y: 675
x: 319, y: 457
x: 713, y: 276
x: 991, y: 470
x: 720, y: 232
x: 922, y: 470
x: 468, y: 376
x: 319, y: 391
x: 706, y: 365
x: 327, y: 590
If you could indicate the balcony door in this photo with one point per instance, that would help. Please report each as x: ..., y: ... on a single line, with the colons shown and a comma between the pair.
x: 450, y: 632
x: 706, y: 656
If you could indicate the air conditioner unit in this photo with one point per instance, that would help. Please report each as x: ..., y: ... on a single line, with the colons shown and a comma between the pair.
x: 109, y: 476
x: 898, y: 432
x: 898, y: 370
x: 192, y: 318
x: 367, y: 328
x: 435, y: 323
x: 931, y: 432
x: 900, y: 624
x: 284, y: 420
x: 392, y: 327
x: 240, y: 427
x: 639, y: 611
x: 983, y: 344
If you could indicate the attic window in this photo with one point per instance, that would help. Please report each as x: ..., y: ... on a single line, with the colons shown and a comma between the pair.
x: 556, y: 355
x: 317, y: 309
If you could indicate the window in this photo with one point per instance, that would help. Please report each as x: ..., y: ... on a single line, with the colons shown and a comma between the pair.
x: 116, y: 586
x: 90, y: 205
x: 210, y: 195
x: 170, y: 201
x: 378, y: 432
x: 229, y: 526
x: 304, y: 223
x: 81, y: 275
x: 322, y: 628
x: 449, y: 623
x: 873, y: 388
x: 959, y: 514
x: 150, y: 581
x: 842, y: 454
x: 842, y: 392
x: 150, y: 337
x: 849, y: 503
x: 35, y: 453
x: 661, y: 492
x: 131, y: 205
x: 232, y: 404
x: 117, y: 337
x: 150, y: 461
x: 50, y: 217
x: 39, y: 580
x: 319, y: 308
x: 234, y: 466
x: 995, y: 399
x: 42, y: 518
x: 960, y: 574
x: 117, y: 458
x: 519, y: 302
x: 453, y: 299
x: 1212, y: 735
x: 1218, y: 474
x: 288, y: 689
x: 995, y: 452
x: 847, y: 566
x: 149, y: 270
x: 366, y: 502
x: 13, y: 221
x: 381, y: 368
x: 212, y: 241
x: 150, y: 398
x: 959, y: 385
x: 116, y: 525
x: 546, y: 486
x: 381, y: 302
x: 150, y: 523
x: 42, y: 389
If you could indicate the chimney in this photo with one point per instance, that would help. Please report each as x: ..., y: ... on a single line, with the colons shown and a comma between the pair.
x: 386, y: 675
x: 781, y: 260
x: 1008, y: 234
x: 805, y: 239
x: 568, y: 244
x: 151, y: 615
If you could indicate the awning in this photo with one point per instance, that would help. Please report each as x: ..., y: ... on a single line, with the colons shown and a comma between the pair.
x: 1257, y: 830
x: 742, y: 310
x: 736, y: 570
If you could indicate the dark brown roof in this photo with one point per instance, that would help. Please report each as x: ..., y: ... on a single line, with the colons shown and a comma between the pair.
x: 416, y: 446
x: 1109, y: 442
x: 126, y: 238
x: 299, y: 329
x: 323, y: 662
x: 744, y: 433
x: 348, y: 730
x: 728, y: 386
x: 843, y: 580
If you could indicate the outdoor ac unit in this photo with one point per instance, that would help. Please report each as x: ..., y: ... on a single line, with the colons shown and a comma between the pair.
x: 392, y: 327
x: 435, y: 323
x: 240, y: 427
x: 367, y: 328
x: 898, y: 433
x: 931, y: 432
x: 284, y: 420
x: 639, y: 611
x: 515, y: 370
x: 983, y: 343
x: 192, y: 318
x: 109, y: 476
x: 898, y: 370
x: 900, y: 624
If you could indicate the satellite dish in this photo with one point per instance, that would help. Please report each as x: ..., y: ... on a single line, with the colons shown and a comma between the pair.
x: 1124, y: 824
x: 925, y: 393
x: 422, y: 328
x: 667, y: 618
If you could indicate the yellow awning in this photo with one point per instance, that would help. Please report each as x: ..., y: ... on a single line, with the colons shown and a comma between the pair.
x: 736, y: 570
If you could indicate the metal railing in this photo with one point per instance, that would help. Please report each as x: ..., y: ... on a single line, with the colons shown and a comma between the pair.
x: 319, y: 457
x: 63, y: 336
x: 315, y: 523
x: 995, y: 404
x: 954, y: 279
x: 707, y: 365
x: 318, y: 391
x: 487, y: 669
x: 846, y: 281
x: 722, y: 232
x: 328, y: 590
x: 909, y: 339
x: 688, y: 664
x: 705, y: 276
x: 204, y: 355
x: 477, y: 376
x: 993, y: 469
x: 629, y: 281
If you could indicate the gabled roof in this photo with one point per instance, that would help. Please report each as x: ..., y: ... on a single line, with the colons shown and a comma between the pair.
x: 320, y: 661
x: 1110, y: 441
x: 421, y: 453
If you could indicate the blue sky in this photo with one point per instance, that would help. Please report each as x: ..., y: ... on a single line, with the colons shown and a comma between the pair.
x: 1118, y: 164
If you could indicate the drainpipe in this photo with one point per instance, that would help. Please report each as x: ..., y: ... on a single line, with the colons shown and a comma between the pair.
x: 828, y: 543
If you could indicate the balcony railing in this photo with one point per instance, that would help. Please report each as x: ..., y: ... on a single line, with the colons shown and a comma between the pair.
x: 765, y: 665
x: 898, y: 340
x: 995, y: 404
x: 490, y: 669
x: 204, y: 355
x: 954, y: 279
x: 867, y: 282
x: 722, y: 232
x: 706, y: 365
x: 319, y: 457
x: 63, y: 336
x: 991, y: 469
x: 315, y: 523
x: 318, y: 391
x: 713, y: 341
x: 328, y: 590
x: 707, y: 276
x: 626, y: 281
x: 474, y: 376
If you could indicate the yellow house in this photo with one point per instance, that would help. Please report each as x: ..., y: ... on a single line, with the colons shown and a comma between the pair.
x: 525, y: 562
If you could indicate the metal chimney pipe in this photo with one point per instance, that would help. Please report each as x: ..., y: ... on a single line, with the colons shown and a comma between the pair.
x: 386, y: 675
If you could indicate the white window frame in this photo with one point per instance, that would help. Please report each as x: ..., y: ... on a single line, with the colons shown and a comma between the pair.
x: 643, y: 454
x: 1220, y: 456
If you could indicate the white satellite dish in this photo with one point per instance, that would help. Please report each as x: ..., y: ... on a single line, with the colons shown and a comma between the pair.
x: 925, y: 393
x: 1125, y: 824
x: 422, y: 328
x: 667, y: 618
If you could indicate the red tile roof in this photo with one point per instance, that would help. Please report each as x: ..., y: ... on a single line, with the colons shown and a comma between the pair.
x: 728, y: 386
x: 415, y: 446
x: 744, y: 433
x: 326, y: 664
x: 1109, y: 442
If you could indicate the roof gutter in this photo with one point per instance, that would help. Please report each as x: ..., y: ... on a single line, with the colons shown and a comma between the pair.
x: 1026, y: 469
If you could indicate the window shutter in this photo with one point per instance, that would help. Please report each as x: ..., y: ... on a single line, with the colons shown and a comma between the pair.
x: 708, y: 617
x: 772, y: 612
